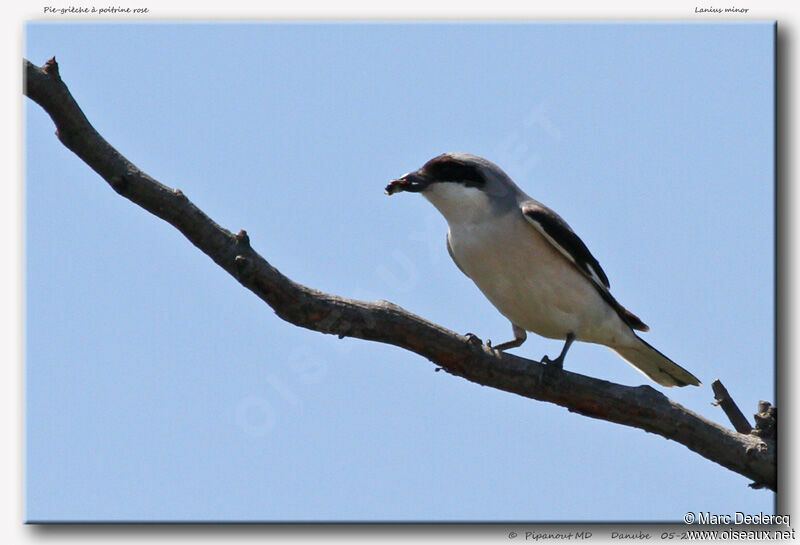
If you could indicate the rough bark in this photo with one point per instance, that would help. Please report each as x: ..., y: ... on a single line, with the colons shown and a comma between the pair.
x: 640, y: 407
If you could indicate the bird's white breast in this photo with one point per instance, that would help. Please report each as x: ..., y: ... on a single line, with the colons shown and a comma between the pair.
x: 527, y: 279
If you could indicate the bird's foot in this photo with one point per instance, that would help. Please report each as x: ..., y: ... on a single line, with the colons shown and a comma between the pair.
x: 475, y: 340
x: 558, y: 362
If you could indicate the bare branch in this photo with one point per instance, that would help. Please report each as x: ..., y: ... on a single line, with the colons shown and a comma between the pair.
x: 724, y: 400
x: 641, y: 407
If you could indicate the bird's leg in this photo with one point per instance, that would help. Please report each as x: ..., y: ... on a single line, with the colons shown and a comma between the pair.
x: 519, y: 337
x: 559, y: 361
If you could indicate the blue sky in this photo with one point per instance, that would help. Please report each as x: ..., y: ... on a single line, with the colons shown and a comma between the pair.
x: 156, y: 388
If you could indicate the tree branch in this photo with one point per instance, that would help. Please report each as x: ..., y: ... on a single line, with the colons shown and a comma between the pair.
x: 641, y: 407
x: 726, y: 402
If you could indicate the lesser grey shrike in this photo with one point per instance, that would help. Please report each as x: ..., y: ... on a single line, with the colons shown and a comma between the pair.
x: 530, y: 264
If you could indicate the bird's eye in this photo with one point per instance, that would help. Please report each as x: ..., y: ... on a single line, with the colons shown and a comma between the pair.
x: 450, y: 170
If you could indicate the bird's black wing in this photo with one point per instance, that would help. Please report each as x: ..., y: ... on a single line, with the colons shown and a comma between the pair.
x: 564, y: 239
x: 556, y: 231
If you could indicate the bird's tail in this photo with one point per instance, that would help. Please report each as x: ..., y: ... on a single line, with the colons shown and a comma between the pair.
x: 656, y: 365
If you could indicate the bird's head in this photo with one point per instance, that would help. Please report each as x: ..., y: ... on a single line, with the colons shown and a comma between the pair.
x: 460, y: 185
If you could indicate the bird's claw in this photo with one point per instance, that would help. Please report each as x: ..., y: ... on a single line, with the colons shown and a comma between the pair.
x: 473, y: 339
x: 558, y: 362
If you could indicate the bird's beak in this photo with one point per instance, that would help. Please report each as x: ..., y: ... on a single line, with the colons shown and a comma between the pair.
x: 413, y: 182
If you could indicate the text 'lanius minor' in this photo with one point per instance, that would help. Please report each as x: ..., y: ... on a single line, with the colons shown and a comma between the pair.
x: 530, y: 265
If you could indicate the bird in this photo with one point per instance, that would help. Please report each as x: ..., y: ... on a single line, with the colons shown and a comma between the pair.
x: 529, y: 263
